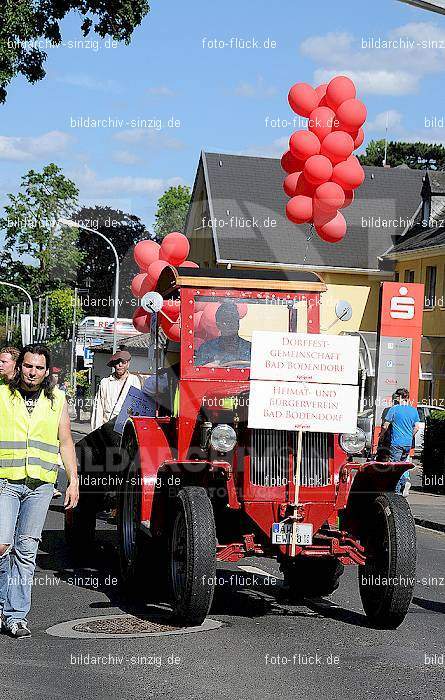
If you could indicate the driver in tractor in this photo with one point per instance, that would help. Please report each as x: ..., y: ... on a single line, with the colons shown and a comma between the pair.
x: 228, y: 347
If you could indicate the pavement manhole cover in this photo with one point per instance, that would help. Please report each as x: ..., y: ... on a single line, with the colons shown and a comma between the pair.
x: 125, y: 626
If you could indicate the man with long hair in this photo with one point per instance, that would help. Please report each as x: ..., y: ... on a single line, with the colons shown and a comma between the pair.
x: 34, y: 427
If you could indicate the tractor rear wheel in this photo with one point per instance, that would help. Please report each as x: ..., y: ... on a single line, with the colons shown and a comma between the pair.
x: 310, y: 577
x: 141, y: 564
x: 192, y: 556
x: 386, y: 581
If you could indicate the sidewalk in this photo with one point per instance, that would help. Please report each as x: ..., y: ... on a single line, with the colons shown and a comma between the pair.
x: 428, y: 509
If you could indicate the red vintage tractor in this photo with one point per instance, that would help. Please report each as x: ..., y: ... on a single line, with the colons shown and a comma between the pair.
x: 200, y: 486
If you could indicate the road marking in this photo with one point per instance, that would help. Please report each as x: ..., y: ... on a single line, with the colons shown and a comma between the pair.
x: 256, y: 570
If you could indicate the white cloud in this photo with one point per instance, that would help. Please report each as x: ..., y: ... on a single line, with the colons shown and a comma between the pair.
x: 391, y: 118
x: 393, y: 63
x: 89, y: 83
x: 22, y: 148
x: 91, y: 185
x: 377, y: 82
x: 270, y: 150
x: 258, y: 89
x: 160, y: 91
x: 151, y: 137
x: 126, y: 158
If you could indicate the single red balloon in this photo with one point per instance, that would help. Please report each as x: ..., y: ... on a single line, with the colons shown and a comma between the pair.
x: 155, y: 270
x: 303, y: 145
x: 334, y: 230
x: 303, y: 99
x: 352, y: 113
x: 338, y: 90
x: 171, y: 330
x: 321, y: 91
x: 189, y: 263
x: 321, y: 122
x: 141, y: 320
x: 172, y: 308
x: 299, y: 209
x: 349, y: 198
x: 349, y: 174
x: 304, y: 187
x: 174, y: 248
x: 329, y: 197
x: 146, y: 252
x: 317, y: 169
x: 290, y: 164
x: 358, y: 138
x: 137, y: 283
x: 337, y: 146
x: 290, y: 184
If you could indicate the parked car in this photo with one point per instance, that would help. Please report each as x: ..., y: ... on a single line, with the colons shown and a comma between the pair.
x: 365, y: 421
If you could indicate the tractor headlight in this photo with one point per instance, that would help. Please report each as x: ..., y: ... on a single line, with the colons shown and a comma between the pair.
x: 353, y: 443
x: 223, y: 438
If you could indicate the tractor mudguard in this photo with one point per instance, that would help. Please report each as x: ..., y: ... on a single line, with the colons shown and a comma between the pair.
x: 153, y: 449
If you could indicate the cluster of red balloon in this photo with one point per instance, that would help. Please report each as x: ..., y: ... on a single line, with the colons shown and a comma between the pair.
x: 322, y: 172
x: 152, y: 258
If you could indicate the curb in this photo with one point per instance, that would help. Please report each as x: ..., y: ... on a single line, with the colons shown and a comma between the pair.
x: 430, y: 525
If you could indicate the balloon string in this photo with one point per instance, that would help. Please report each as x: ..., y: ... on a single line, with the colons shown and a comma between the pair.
x: 308, y: 239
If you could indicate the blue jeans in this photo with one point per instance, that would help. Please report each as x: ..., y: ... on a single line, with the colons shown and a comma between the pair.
x: 400, y: 453
x: 23, y: 508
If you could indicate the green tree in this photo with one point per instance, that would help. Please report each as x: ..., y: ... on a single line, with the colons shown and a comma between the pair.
x: 61, y: 313
x: 172, y: 211
x: 98, y: 269
x: 47, y: 253
x: 419, y: 156
x: 24, y: 23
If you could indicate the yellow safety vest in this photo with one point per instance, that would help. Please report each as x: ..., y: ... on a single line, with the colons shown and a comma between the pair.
x: 29, y: 442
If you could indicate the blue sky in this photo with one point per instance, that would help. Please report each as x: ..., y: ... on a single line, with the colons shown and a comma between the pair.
x: 221, y: 97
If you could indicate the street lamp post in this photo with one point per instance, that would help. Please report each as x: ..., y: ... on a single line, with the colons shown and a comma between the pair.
x: 31, y: 305
x: 74, y: 224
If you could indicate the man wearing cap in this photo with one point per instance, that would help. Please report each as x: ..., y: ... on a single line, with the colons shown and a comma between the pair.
x: 113, y: 389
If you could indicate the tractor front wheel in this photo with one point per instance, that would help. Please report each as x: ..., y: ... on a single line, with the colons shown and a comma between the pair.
x: 192, y: 556
x: 386, y: 581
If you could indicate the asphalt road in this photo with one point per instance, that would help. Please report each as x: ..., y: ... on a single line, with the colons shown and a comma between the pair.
x: 265, y: 648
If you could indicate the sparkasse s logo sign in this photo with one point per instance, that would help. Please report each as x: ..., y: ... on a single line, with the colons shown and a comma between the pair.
x: 402, y: 306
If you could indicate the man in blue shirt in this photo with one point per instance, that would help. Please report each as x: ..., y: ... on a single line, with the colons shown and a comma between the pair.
x: 404, y: 421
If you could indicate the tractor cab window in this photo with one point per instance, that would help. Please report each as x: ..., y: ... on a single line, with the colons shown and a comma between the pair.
x: 223, y: 327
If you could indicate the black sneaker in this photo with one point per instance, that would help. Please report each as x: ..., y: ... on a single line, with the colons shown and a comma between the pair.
x: 18, y: 629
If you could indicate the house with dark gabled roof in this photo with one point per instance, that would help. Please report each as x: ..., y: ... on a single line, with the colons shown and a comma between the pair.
x: 419, y: 256
x: 237, y: 218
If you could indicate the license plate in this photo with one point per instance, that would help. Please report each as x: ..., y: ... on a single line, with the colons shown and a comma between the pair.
x: 282, y: 533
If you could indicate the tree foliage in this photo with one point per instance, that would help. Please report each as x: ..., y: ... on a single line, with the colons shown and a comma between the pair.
x: 61, y: 313
x: 24, y: 23
x: 97, y: 273
x: 47, y: 254
x: 419, y: 156
x: 172, y: 211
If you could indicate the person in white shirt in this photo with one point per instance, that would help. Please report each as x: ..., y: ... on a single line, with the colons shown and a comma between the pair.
x: 113, y: 389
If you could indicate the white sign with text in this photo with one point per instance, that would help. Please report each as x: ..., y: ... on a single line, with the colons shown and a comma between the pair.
x: 325, y: 408
x: 304, y: 357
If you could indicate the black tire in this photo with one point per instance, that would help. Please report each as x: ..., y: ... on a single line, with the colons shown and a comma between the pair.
x: 310, y: 577
x: 80, y: 528
x: 192, y: 556
x: 391, y: 554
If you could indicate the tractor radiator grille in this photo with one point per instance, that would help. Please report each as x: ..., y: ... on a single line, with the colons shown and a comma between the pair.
x: 270, y: 453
